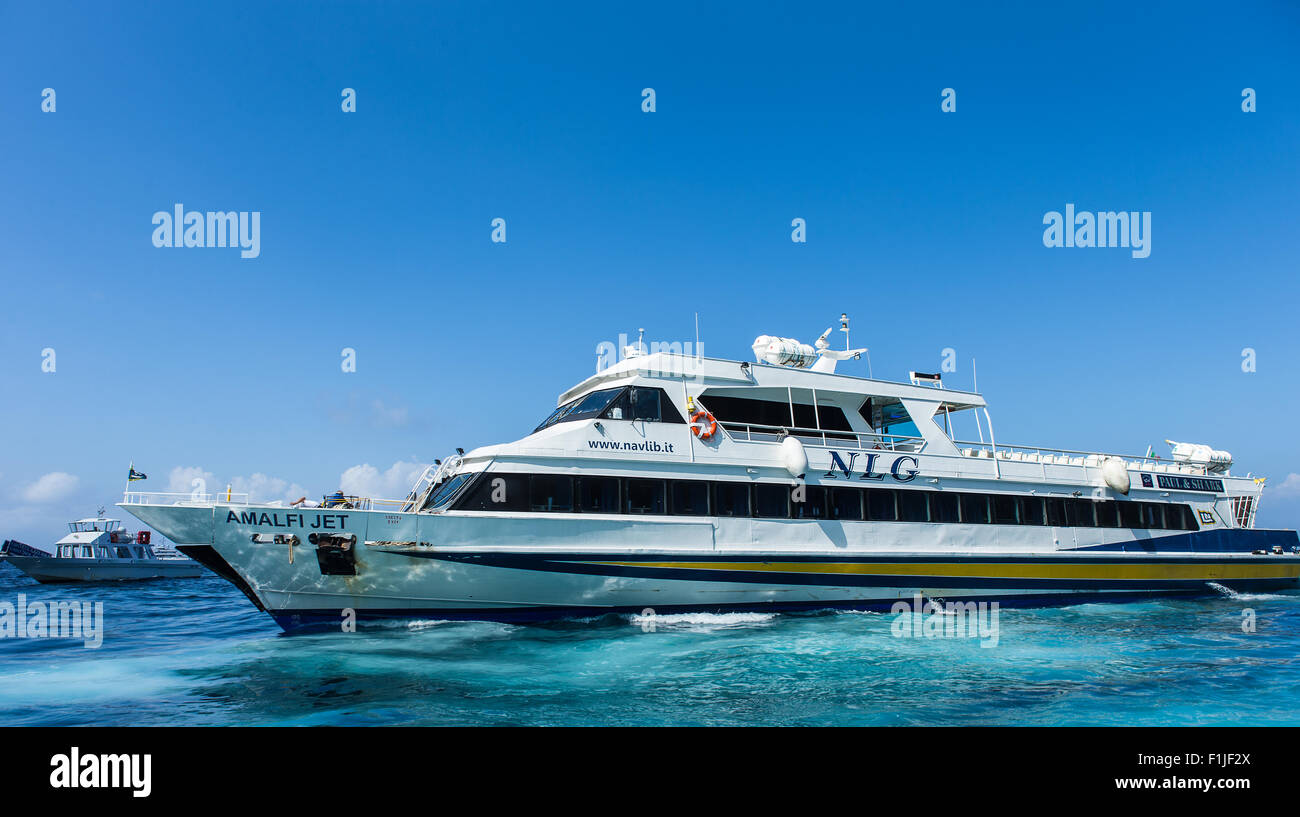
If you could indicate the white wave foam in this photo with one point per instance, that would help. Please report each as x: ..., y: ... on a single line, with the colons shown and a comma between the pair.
x: 708, y: 621
x: 424, y: 624
x: 1229, y: 593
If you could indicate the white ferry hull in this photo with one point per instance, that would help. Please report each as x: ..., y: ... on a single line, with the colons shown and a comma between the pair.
x: 54, y: 571
x: 528, y: 568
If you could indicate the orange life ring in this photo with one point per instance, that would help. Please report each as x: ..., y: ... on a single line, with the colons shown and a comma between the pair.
x: 710, y: 427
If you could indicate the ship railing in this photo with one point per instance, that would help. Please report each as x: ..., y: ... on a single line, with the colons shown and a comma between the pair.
x: 184, y: 498
x: 361, y: 503
x: 750, y: 432
x: 1065, y: 456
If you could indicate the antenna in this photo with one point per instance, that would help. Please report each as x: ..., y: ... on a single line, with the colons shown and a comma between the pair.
x: 844, y: 327
x: 697, y: 336
x: 975, y: 375
x: 101, y: 510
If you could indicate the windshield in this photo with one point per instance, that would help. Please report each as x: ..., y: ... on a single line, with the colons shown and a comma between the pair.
x: 583, y: 408
x: 446, y: 492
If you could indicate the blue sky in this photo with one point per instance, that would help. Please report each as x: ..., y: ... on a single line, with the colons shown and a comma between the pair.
x: 375, y: 225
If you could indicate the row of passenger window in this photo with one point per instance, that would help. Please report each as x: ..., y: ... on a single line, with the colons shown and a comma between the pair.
x: 564, y: 494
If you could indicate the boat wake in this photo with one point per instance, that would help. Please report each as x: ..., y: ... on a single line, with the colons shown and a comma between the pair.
x: 424, y: 624
x: 702, y: 621
x: 1229, y: 593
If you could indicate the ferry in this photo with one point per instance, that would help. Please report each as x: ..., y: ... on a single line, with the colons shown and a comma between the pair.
x: 671, y: 482
x: 99, y: 550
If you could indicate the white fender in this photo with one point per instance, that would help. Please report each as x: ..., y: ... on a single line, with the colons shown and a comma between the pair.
x: 1115, y: 473
x: 793, y: 457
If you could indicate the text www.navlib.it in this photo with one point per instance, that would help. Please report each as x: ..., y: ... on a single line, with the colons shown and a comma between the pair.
x: 649, y: 445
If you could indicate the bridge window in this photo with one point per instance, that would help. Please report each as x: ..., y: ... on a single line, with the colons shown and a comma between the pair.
x: 888, y: 416
x: 583, y: 408
x: 447, y: 491
x: 776, y: 414
x: 645, y: 404
x: 642, y: 403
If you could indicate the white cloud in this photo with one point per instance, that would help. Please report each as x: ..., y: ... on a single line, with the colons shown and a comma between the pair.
x: 366, y: 480
x: 181, y: 480
x: 259, y: 487
x: 52, y: 487
x: 263, y: 488
x: 1290, y: 487
x: 359, y: 480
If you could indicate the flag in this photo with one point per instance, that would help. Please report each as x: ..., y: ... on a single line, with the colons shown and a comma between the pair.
x: 134, y: 474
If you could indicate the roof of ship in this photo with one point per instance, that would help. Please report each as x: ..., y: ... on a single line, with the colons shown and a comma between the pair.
x: 720, y: 372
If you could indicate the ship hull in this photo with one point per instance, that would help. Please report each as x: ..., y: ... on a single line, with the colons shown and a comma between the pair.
x: 50, y: 570
x: 536, y: 568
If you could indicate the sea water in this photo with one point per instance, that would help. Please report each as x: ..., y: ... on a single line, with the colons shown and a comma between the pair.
x: 195, y: 651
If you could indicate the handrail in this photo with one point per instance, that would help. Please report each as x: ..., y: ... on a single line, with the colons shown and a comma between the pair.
x: 1040, y: 450
x: 828, y: 437
x: 359, y: 503
x: 183, y: 498
x: 363, y: 503
x: 426, y: 478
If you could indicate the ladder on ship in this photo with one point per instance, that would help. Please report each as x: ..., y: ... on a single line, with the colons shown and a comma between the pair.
x: 432, y: 477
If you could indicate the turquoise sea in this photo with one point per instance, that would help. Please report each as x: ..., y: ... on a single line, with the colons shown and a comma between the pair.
x: 195, y: 652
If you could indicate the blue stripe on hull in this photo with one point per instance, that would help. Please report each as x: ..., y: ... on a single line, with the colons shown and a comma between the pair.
x: 1219, y: 540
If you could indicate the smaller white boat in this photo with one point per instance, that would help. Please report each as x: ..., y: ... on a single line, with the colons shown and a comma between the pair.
x: 100, y: 550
